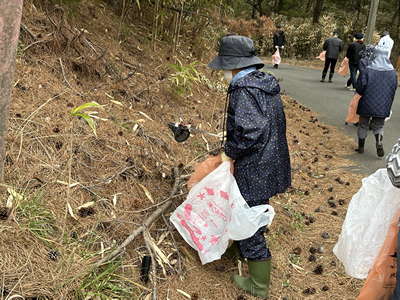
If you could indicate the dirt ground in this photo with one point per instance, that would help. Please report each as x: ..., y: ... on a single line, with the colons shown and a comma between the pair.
x: 55, y: 163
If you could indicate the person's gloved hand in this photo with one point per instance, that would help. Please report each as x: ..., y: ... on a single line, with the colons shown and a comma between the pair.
x: 276, y: 47
x: 283, y: 47
x: 224, y: 157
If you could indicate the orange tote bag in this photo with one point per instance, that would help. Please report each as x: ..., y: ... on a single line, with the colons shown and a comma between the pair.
x: 344, y: 67
x: 381, y: 279
x: 352, y: 116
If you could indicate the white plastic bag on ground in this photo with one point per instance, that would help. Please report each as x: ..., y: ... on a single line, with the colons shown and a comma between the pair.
x: 215, y: 212
x: 367, y: 222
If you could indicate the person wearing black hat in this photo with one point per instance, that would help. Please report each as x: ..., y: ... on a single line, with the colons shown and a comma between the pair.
x: 332, y: 45
x: 256, y: 141
x: 353, y: 54
x: 279, y: 41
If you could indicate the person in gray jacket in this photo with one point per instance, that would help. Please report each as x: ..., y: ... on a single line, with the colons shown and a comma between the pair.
x: 332, y: 46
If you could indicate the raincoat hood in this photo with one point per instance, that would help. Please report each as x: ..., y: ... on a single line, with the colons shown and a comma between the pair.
x: 380, y: 60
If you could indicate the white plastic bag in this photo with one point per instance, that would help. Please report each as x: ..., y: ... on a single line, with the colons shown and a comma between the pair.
x: 367, y: 222
x: 215, y: 212
x: 276, y: 58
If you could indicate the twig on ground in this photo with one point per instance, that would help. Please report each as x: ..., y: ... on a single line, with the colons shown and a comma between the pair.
x: 31, y: 34
x: 146, y: 224
x: 34, y: 43
x: 174, y: 243
x: 66, y: 81
x: 40, y: 143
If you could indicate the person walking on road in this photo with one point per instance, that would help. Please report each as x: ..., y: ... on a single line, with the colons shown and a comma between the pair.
x: 333, y: 46
x: 256, y: 141
x: 353, y: 54
x: 386, y: 41
x: 279, y: 41
x: 377, y: 85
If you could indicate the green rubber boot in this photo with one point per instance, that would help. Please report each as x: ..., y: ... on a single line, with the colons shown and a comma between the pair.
x: 258, y: 283
x: 233, y: 251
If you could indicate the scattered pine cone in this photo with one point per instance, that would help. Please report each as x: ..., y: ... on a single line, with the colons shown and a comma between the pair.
x: 319, y: 270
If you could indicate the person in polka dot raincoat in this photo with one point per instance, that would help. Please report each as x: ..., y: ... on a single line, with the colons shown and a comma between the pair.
x: 256, y: 141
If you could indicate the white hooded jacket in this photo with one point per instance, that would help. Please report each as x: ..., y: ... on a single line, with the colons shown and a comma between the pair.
x: 387, y: 42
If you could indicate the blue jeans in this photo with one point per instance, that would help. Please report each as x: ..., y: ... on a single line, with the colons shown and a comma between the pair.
x: 353, y: 74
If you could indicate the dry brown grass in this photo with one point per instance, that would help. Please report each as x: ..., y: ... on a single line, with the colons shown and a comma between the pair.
x: 121, y: 159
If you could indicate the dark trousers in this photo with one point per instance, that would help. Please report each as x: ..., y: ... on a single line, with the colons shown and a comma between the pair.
x: 254, y: 247
x: 332, y: 62
x: 376, y: 124
x: 353, y: 74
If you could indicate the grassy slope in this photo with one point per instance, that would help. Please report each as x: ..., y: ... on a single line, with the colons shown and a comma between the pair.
x: 122, y: 160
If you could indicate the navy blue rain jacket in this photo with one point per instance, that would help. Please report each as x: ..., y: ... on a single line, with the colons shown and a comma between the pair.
x: 256, y: 137
x: 377, y: 90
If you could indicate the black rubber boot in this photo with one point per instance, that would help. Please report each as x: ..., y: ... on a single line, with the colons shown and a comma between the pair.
x: 323, y: 77
x: 379, y: 146
x: 330, y: 77
x: 360, y: 148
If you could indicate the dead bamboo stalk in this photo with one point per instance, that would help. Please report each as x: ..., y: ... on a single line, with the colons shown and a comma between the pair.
x: 146, y: 223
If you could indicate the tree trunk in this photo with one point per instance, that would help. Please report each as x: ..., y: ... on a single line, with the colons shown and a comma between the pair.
x: 394, y: 14
x: 280, y: 5
x: 317, y: 10
x: 309, y: 4
x: 10, y: 19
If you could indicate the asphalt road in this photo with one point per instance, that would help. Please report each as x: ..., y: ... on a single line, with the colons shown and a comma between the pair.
x: 332, y: 101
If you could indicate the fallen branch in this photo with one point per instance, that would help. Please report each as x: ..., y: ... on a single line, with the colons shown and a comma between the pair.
x: 62, y: 69
x: 32, y: 35
x: 146, y: 224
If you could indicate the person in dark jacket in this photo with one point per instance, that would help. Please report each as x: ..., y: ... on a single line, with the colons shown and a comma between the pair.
x: 279, y: 41
x: 332, y: 46
x: 353, y: 54
x: 377, y: 85
x: 256, y: 141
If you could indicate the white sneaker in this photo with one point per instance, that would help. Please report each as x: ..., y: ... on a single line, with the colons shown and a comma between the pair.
x: 348, y: 86
x: 351, y: 89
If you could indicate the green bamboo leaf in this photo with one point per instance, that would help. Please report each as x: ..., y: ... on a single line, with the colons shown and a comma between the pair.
x: 89, y: 104
x: 89, y: 120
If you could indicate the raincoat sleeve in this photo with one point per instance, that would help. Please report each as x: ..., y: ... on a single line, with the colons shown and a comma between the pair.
x: 250, y: 127
x: 283, y: 39
x: 361, y: 83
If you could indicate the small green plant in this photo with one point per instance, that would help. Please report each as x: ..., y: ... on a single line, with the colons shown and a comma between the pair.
x: 20, y: 48
x: 184, y: 77
x: 34, y: 213
x: 295, y: 259
x: 286, y: 283
x: 105, y: 284
x: 87, y: 118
